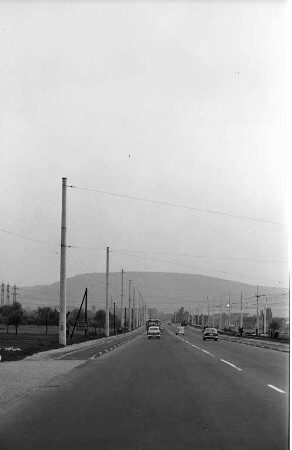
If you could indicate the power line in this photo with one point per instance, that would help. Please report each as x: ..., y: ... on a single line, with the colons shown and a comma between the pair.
x: 27, y: 238
x: 80, y: 264
x: 124, y: 251
x: 177, y: 206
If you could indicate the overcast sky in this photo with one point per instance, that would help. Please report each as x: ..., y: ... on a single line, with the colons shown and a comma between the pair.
x: 176, y: 102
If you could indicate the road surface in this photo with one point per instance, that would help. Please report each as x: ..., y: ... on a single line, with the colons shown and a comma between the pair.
x: 176, y: 392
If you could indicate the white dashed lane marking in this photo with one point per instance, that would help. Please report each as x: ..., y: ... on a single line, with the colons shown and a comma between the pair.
x: 276, y: 389
x: 227, y: 362
x: 208, y: 353
x: 230, y: 364
x: 193, y: 345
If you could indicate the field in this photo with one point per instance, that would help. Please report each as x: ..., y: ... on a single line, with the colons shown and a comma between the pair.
x: 32, y: 339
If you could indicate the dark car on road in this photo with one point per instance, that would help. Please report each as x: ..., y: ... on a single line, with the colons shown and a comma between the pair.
x: 210, y: 333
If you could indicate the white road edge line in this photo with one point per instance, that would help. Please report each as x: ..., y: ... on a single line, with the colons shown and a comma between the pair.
x: 276, y: 389
x: 232, y: 365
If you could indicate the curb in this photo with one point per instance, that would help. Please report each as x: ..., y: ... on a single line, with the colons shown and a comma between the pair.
x: 58, y: 353
x: 107, y: 350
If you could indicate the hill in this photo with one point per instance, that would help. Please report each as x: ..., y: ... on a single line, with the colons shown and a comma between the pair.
x: 163, y: 291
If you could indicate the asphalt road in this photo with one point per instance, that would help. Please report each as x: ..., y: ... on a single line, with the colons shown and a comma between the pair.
x: 172, y: 393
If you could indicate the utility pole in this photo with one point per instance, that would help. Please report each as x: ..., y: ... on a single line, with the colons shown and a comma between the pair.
x: 143, y: 311
x: 257, y: 322
x: 241, y: 312
x: 85, y: 313
x: 114, y: 317
x: 198, y: 314
x: 220, y: 319
x: 7, y: 294
x: 229, y: 305
x: 122, y: 300
x: 2, y: 294
x: 134, y: 308
x: 265, y: 319
x: 130, y: 307
x: 214, y: 312
x: 107, y: 331
x: 62, y: 313
x: 208, y: 312
x: 137, y: 311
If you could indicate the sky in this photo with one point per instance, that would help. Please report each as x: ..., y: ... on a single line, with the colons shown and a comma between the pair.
x: 182, y: 103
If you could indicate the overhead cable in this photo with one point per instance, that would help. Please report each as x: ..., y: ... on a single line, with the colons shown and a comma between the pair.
x: 157, y: 202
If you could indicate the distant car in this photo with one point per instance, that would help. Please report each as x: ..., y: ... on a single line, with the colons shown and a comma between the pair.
x: 210, y: 333
x: 180, y: 330
x: 161, y: 328
x: 153, y: 332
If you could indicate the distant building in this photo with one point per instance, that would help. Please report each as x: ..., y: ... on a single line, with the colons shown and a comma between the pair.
x: 93, y: 309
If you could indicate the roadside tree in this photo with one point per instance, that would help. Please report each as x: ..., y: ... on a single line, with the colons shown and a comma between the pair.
x: 73, y: 316
x: 47, y: 316
x: 274, y: 326
x: 100, y: 318
x: 12, y: 315
x: 4, y: 312
x: 31, y: 317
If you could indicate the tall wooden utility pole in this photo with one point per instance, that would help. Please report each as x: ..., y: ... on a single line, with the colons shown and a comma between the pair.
x: 62, y: 313
x: 265, y: 318
x: 138, y: 311
x: 130, y: 307
x: 214, y: 311
x: 134, y: 308
x: 208, y: 312
x: 122, y: 300
x: 229, y: 306
x: 257, y: 322
x: 220, y: 319
x: 107, y: 333
x: 241, y: 311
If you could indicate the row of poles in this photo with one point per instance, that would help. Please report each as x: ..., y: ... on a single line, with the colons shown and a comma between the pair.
x: 8, y: 292
x: 137, y: 308
x: 221, y: 311
x: 240, y: 321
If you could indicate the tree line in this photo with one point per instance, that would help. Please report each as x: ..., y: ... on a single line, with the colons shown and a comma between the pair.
x: 14, y: 315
